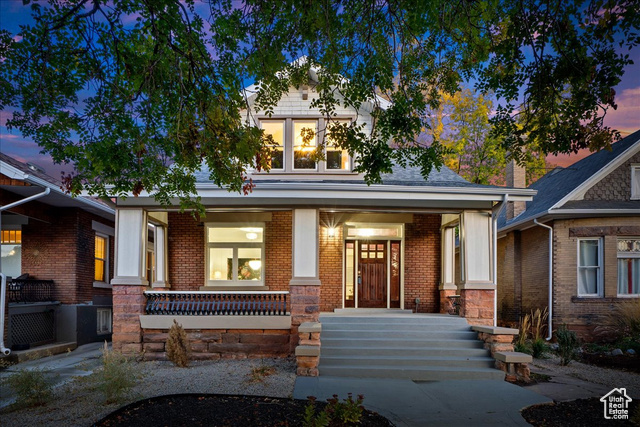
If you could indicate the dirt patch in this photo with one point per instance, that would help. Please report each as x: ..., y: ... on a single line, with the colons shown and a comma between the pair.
x: 221, y: 410
x: 624, y: 362
x: 581, y: 412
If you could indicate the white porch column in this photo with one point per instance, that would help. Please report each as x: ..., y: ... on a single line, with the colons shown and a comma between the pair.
x: 305, y: 244
x: 131, y: 242
x: 160, y: 248
x: 477, y: 288
x: 448, y: 237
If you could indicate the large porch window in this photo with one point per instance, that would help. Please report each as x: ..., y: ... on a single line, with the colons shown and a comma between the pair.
x: 235, y: 255
x: 11, y: 248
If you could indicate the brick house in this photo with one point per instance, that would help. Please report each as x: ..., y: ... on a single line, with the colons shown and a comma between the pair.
x: 311, y: 237
x: 593, y: 209
x: 57, y: 253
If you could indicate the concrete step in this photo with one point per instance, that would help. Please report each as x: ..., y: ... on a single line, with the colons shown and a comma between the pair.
x: 406, y: 352
x: 423, y: 373
x: 399, y: 343
x: 401, y: 362
x: 397, y: 334
x: 425, y: 320
x: 394, y: 326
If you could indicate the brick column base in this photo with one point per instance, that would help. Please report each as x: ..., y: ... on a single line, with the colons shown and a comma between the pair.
x: 128, y: 304
x: 445, y: 302
x: 476, y: 305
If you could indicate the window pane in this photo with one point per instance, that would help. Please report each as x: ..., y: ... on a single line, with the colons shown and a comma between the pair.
x: 235, y: 235
x: 249, y: 263
x: 302, y: 150
x: 276, y: 130
x: 350, y: 260
x: 100, y: 247
x: 628, y: 276
x: 11, y: 260
x: 99, y: 275
x: 588, y: 253
x: 220, y: 263
x: 588, y: 281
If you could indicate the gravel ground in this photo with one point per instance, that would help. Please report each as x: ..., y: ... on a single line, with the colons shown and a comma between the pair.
x: 591, y: 373
x: 79, y: 403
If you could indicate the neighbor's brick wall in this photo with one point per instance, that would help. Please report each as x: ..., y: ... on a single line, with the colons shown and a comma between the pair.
x: 213, y: 344
x: 616, y: 185
x: 186, y: 243
x: 422, y: 263
x: 331, y: 268
x: 63, y: 251
x: 585, y: 314
x: 509, y: 278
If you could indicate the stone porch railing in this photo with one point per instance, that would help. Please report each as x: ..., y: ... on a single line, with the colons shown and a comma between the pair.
x: 308, y: 349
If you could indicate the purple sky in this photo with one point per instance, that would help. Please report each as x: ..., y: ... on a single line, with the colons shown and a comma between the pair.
x: 13, y: 14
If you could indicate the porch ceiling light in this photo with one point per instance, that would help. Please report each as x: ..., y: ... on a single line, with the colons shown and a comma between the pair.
x: 252, y: 236
x: 255, y: 264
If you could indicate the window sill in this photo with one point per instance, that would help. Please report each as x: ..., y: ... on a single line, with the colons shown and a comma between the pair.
x: 234, y: 288
x: 103, y: 285
x: 594, y: 299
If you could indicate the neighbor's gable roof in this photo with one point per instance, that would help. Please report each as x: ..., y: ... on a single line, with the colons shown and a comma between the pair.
x: 38, y: 180
x: 565, y: 188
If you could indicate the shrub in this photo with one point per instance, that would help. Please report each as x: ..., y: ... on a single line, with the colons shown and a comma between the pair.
x: 178, y: 345
x: 336, y: 413
x: 259, y: 373
x: 539, y: 348
x: 567, y: 344
x: 31, y: 386
x: 625, y: 319
x: 117, y: 376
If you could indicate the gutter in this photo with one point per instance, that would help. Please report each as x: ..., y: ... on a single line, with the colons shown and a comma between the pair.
x: 550, y: 303
x: 3, y: 283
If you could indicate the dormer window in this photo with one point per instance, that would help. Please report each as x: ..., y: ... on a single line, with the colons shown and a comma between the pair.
x: 635, y: 181
x: 295, y: 141
x: 304, y: 144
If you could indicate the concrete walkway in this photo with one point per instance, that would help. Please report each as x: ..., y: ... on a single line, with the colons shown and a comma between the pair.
x: 433, y: 403
x: 563, y: 387
x: 61, y: 368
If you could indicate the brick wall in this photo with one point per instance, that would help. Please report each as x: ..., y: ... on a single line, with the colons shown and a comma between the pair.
x: 63, y: 251
x: 422, y: 263
x: 616, y: 185
x: 331, y: 270
x: 278, y: 251
x: 585, y: 314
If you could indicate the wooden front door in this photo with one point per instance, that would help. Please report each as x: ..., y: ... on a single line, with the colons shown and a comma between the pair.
x: 372, y: 274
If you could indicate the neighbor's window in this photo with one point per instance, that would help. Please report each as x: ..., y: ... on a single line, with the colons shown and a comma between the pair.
x: 11, y: 251
x: 589, y: 267
x: 100, y: 256
x: 235, y: 255
x: 629, y: 266
x: 337, y: 158
x: 275, y: 128
x: 304, y: 143
x: 635, y: 182
x: 104, y: 321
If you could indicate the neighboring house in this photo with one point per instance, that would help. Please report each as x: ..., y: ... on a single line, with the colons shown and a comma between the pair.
x: 58, y: 254
x: 311, y: 237
x: 593, y: 207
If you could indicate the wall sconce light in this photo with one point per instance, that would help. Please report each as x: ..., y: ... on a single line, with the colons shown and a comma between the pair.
x: 331, y: 231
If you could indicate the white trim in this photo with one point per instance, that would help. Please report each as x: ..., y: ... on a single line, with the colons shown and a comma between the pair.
x: 579, y: 192
x: 102, y: 283
x: 599, y: 267
x: 103, y: 229
x: 635, y: 182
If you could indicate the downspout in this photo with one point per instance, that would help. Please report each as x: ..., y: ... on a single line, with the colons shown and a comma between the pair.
x: 550, y: 328
x: 494, y: 227
x: 3, y: 283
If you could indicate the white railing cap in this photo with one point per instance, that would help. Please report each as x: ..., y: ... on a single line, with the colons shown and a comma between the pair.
x: 217, y: 292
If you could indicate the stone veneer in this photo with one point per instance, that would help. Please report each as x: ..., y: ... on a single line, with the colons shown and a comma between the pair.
x: 212, y: 344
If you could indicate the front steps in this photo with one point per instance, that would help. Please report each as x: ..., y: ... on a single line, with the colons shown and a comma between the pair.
x: 400, y: 345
